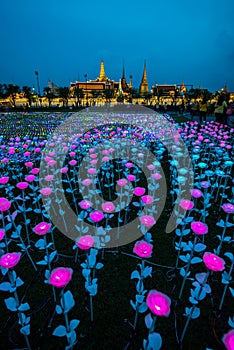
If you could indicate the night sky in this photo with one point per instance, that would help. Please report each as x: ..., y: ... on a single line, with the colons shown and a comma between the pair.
x: 190, y: 41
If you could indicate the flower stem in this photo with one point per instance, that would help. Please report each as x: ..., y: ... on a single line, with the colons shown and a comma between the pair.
x: 226, y: 286
x: 187, y: 268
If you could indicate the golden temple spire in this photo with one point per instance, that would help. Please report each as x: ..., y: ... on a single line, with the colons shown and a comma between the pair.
x: 144, y: 83
x: 102, y: 76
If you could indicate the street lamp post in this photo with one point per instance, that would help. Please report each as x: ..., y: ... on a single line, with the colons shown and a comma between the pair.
x: 86, y: 87
x: 38, y: 86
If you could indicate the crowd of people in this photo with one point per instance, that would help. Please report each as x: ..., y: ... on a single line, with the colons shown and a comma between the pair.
x: 223, y: 111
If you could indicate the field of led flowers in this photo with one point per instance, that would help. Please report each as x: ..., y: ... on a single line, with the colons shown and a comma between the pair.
x: 116, y: 232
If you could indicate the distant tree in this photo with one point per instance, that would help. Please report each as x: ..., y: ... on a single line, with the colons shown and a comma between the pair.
x: 148, y: 97
x: 11, y: 92
x: 63, y: 93
x: 108, y: 94
x: 28, y: 94
x: 2, y: 91
x: 48, y: 94
x: 78, y: 94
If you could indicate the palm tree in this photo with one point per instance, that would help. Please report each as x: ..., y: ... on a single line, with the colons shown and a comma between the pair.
x: 28, y: 94
x: 11, y: 92
x: 78, y: 94
x: 108, y: 94
x: 63, y: 93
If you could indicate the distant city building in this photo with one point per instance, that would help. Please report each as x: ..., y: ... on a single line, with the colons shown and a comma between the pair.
x: 53, y: 87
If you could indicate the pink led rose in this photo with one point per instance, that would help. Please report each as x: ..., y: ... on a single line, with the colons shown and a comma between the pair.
x: 96, y: 216
x: 228, y: 208
x: 35, y: 171
x: 139, y: 191
x: 86, y: 182
x: 196, y: 193
x: 4, y: 180
x: 186, y: 204
x: 131, y: 177
x: 156, y: 176
x: 228, y: 340
x: 46, y: 191
x: 147, y: 220
x: 108, y: 207
x: 85, y: 204
x: 213, y: 262
x: 73, y: 162
x: 147, y: 199
x: 28, y: 164
x: 60, y: 277
x: 158, y: 303
x: 49, y: 178
x: 30, y: 178
x: 22, y: 185
x: 199, y: 228
x: 2, y: 234
x: 64, y: 170
x: 143, y: 249
x: 122, y: 182
x: 85, y: 242
x: 4, y: 204
x: 9, y: 260
x: 42, y: 228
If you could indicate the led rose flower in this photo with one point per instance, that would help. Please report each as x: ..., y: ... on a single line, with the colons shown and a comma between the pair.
x: 143, y: 249
x: 9, y: 260
x: 64, y: 170
x: 151, y: 167
x: 91, y: 171
x: 147, y: 220
x: 129, y: 165
x: 96, y: 216
x: 49, y: 178
x: 228, y: 340
x: 28, y: 164
x: 86, y: 182
x: 108, y: 207
x: 52, y: 162
x: 85, y: 242
x: 228, y: 208
x: 158, y: 303
x: 122, y: 182
x: 46, y: 191
x: 42, y: 228
x: 4, y: 180
x: 147, y: 199
x: 156, y: 176
x: 73, y: 162
x: 139, y: 191
x: 35, y: 171
x: 85, y: 204
x: 186, y: 204
x: 199, y: 228
x: 60, y: 277
x: 131, y: 177
x: 4, y: 204
x: 205, y: 184
x: 30, y: 178
x: 2, y: 234
x: 22, y: 185
x: 196, y: 193
x: 213, y: 262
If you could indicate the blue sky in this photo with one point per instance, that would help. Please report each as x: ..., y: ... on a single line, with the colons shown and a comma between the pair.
x: 190, y: 41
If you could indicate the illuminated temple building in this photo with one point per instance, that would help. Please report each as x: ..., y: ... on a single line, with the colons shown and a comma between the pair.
x: 101, y: 84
